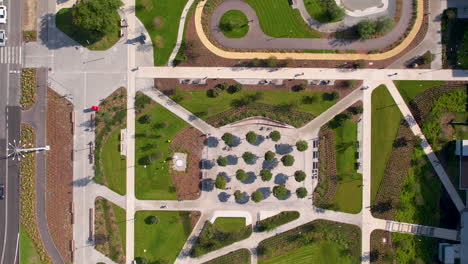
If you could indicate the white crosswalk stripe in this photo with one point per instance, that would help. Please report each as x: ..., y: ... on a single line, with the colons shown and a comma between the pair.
x: 10, y: 55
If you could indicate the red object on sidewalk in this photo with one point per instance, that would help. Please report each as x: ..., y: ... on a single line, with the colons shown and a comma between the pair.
x: 95, y: 108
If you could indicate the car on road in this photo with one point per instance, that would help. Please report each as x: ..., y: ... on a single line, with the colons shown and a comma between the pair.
x: 2, y: 38
x: 2, y: 191
x: 3, y: 14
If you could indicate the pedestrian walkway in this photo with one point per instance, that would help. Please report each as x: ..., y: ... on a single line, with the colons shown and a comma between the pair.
x: 10, y: 55
x: 180, y: 34
x: 421, y: 230
x: 438, y: 168
x: 179, y: 111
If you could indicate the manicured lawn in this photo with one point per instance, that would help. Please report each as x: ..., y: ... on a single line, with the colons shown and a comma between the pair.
x: 63, y: 22
x: 229, y: 224
x: 114, y: 164
x: 203, y: 106
x: 348, y: 196
x: 410, y: 89
x: 234, y: 24
x: 164, y: 240
x: 28, y: 254
x: 121, y: 218
x: 318, y: 11
x: 320, y: 252
x: 154, y: 181
x: 386, y: 119
x: 161, y: 19
x: 279, y: 20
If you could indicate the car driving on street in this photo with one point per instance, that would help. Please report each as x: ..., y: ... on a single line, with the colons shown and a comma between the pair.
x: 3, y: 14
x: 2, y: 38
x: 2, y: 191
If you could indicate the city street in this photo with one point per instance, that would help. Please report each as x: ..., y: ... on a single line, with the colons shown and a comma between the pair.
x: 10, y: 119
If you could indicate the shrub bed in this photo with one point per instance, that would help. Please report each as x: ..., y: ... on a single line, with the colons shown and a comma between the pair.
x: 211, y: 238
x: 28, y: 193
x: 273, y: 222
x: 240, y: 256
x: 28, y: 88
x: 327, y: 182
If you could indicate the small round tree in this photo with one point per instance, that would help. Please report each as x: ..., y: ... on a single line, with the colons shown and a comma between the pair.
x: 302, y: 145
x: 257, y: 196
x: 280, y: 191
x: 301, y: 192
x: 220, y: 182
x: 269, y: 155
x: 275, y: 135
x: 222, y: 161
x: 228, y: 139
x: 238, y: 195
x: 287, y: 160
x: 251, y: 137
x: 145, y: 119
x: 265, y: 175
x: 299, y: 176
x: 150, y: 220
x: 248, y: 157
x: 241, y: 175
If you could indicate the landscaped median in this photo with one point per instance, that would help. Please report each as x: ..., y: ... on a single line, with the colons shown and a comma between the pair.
x: 28, y: 217
x: 28, y: 88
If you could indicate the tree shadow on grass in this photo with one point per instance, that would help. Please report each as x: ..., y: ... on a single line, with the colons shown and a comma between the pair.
x: 283, y: 149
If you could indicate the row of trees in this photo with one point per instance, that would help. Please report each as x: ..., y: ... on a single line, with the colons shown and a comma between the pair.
x: 279, y: 192
x: 224, y: 87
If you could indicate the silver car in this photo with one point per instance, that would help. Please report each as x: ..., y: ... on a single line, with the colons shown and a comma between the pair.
x: 3, y: 14
x: 3, y: 38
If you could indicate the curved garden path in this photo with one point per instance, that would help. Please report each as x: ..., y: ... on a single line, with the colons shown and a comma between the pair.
x: 256, y: 39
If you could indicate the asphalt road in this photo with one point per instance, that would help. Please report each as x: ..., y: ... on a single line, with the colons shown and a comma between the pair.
x: 10, y: 119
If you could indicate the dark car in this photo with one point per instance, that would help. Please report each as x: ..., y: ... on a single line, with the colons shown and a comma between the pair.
x: 2, y: 191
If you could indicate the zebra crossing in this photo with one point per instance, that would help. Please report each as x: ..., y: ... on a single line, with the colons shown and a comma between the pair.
x: 10, y: 55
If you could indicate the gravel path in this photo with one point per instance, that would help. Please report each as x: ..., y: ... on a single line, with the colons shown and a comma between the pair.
x: 256, y: 39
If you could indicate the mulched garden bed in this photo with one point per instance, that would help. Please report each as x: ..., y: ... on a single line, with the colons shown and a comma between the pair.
x: 288, y: 116
x: 327, y: 178
x: 381, y: 252
x: 397, y: 169
x: 199, y: 55
x: 59, y: 172
x: 240, y: 256
x: 190, y: 141
x: 167, y: 86
x: 107, y: 241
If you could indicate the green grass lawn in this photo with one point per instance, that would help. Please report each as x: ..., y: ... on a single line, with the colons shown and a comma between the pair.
x: 154, y: 181
x: 234, y: 24
x: 279, y: 20
x: 63, y: 22
x: 229, y: 224
x: 415, y: 249
x: 28, y: 254
x: 114, y: 164
x: 348, y: 197
x: 319, y: 252
x: 161, y: 19
x: 198, y: 102
x: 121, y: 218
x: 164, y: 240
x: 318, y: 11
x: 410, y: 89
x: 386, y: 119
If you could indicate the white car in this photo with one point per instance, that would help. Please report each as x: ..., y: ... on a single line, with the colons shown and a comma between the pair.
x: 3, y: 14
x: 3, y: 38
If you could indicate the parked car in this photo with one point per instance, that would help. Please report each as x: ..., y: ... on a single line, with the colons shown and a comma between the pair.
x: 3, y: 14
x: 2, y: 191
x: 2, y: 38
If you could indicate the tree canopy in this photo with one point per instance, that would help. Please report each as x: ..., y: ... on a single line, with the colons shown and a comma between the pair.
x: 97, y: 16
